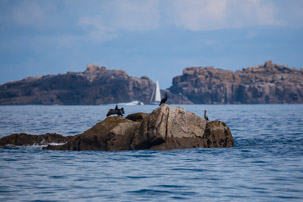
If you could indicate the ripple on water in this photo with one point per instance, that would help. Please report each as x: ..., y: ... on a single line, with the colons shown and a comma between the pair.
x: 265, y: 164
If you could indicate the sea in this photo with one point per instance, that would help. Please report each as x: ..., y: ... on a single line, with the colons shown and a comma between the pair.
x: 265, y: 164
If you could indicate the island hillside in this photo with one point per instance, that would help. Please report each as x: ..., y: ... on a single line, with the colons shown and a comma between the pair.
x: 96, y: 85
x: 268, y: 83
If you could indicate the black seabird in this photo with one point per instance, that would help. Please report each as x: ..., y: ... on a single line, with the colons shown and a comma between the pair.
x: 163, y: 99
x: 205, y: 116
x: 117, y: 111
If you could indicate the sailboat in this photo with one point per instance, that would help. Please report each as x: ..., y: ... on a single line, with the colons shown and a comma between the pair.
x: 156, y: 96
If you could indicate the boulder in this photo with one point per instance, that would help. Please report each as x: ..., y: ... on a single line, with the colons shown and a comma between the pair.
x: 217, y: 134
x: 180, y: 129
x: 165, y: 128
x: 168, y: 123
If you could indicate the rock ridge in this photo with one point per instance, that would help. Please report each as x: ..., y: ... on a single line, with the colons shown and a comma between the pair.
x: 268, y: 83
x: 96, y: 85
x: 262, y: 84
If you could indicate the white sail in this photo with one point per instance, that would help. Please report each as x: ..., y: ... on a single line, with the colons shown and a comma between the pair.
x: 158, y: 95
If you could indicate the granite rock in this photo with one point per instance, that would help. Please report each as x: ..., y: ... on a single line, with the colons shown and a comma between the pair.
x: 268, y: 83
x: 96, y: 85
x: 165, y: 123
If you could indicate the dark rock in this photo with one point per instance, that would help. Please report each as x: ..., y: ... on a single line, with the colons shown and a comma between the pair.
x: 217, y: 134
x: 165, y: 128
x: 137, y: 116
x: 24, y: 139
x: 114, y: 133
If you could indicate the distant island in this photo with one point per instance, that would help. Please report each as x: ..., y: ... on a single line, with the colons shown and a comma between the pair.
x: 269, y: 83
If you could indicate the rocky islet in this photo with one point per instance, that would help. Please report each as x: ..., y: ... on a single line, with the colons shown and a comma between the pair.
x: 165, y: 128
x: 263, y: 84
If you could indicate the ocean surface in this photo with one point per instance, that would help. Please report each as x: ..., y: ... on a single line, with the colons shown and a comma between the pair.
x: 266, y: 163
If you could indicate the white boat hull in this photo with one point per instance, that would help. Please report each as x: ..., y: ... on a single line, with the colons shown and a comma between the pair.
x: 136, y: 102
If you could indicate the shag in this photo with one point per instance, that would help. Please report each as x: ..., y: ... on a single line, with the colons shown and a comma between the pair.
x: 163, y: 99
x: 205, y: 116
x: 117, y: 111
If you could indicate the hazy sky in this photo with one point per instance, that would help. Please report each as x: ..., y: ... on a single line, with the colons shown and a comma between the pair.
x: 156, y: 38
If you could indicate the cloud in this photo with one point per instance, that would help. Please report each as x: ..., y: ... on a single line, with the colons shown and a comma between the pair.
x: 96, y: 29
x: 122, y: 16
x: 198, y: 15
x: 131, y: 15
x: 118, y: 16
x: 99, y: 21
x: 24, y: 13
x: 205, y: 15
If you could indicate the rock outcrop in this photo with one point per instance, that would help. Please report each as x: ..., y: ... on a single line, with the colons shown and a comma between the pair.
x: 23, y: 139
x: 268, y: 83
x: 168, y: 124
x: 96, y: 85
x: 165, y: 128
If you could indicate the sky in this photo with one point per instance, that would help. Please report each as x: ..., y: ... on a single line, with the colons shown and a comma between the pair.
x: 154, y: 38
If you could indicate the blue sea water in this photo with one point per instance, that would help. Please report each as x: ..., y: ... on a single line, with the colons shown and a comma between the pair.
x: 266, y: 163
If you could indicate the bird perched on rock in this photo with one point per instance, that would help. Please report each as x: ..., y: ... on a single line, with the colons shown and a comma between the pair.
x: 117, y: 111
x: 163, y: 99
x: 205, y: 116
